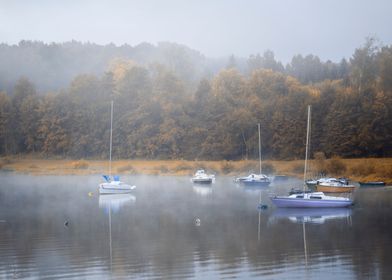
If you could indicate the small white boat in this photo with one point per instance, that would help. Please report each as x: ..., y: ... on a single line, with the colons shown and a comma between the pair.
x: 201, y: 177
x: 254, y: 180
x: 114, y: 186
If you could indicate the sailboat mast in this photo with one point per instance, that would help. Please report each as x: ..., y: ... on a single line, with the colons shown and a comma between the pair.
x: 307, y: 146
x: 259, y: 147
x: 111, y: 137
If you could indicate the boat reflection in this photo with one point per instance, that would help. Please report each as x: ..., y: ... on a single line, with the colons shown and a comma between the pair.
x: 115, y: 201
x: 314, y: 216
x: 202, y: 190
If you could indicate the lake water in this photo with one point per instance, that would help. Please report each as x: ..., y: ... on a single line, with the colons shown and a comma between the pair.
x: 59, y: 227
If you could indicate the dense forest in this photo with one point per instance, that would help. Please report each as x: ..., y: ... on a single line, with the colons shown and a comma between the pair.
x: 171, y: 102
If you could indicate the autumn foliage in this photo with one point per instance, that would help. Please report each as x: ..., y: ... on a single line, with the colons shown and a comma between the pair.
x: 160, y: 112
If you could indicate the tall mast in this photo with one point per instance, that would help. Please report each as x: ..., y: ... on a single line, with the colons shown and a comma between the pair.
x: 307, y: 146
x: 111, y: 136
x: 259, y: 147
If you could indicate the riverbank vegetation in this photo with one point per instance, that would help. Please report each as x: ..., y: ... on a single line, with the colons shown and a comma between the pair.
x: 362, y: 169
x: 170, y: 103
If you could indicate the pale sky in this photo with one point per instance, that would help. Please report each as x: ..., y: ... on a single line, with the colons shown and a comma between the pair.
x: 331, y: 29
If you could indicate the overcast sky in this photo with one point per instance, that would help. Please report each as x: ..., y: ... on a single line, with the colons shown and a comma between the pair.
x: 331, y: 29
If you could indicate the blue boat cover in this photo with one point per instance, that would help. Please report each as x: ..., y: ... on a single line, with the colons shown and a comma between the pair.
x: 107, y: 178
x: 116, y: 178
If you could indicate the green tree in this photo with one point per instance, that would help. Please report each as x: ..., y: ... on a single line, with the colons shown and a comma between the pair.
x: 5, y: 113
x: 24, y: 92
x: 363, y: 65
x: 267, y: 61
x: 54, y: 126
x: 384, y: 63
x: 29, y: 118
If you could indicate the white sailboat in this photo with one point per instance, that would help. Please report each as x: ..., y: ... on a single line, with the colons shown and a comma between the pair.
x: 113, y: 185
x: 255, y: 179
x: 310, y: 199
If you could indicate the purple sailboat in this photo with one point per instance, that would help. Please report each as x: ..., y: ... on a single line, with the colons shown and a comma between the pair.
x: 312, y: 199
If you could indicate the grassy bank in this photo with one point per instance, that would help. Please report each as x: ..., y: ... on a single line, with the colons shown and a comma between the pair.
x: 365, y: 169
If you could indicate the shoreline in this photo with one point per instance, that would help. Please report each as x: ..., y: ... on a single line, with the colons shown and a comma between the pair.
x: 364, y: 169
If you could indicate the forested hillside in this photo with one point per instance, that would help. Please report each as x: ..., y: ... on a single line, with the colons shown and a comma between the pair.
x: 172, y: 102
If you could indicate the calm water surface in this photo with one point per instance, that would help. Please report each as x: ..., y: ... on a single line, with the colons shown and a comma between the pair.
x: 170, y: 229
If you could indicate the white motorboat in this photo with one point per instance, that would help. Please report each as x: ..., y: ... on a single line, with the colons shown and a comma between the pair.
x: 254, y: 180
x: 201, y: 177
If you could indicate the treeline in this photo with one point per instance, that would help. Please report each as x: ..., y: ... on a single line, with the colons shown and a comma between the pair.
x: 159, y: 113
x: 51, y: 67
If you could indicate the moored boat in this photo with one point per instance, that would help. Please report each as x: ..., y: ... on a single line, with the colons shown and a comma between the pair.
x: 114, y: 186
x: 371, y: 184
x: 255, y: 179
x: 312, y: 183
x: 311, y: 200
x: 334, y: 186
x: 201, y: 177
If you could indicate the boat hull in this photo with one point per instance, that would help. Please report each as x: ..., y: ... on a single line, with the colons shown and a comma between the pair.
x: 335, y: 189
x: 201, y: 177
x: 308, y: 203
x: 255, y: 183
x: 202, y: 181
x: 109, y: 189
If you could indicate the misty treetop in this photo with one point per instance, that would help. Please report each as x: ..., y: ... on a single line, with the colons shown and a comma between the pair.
x: 171, y: 102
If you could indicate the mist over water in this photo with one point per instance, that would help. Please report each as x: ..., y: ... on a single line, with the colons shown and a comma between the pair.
x: 59, y: 227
